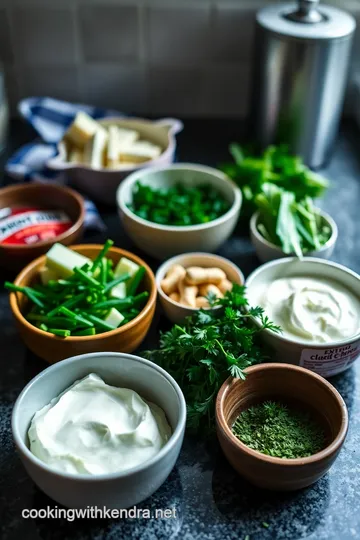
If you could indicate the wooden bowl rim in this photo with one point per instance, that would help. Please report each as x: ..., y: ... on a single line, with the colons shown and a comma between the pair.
x: 57, y: 189
x: 78, y: 247
x: 240, y: 447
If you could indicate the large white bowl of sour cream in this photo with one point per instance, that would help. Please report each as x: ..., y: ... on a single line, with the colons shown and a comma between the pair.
x: 100, y: 429
x: 317, y: 305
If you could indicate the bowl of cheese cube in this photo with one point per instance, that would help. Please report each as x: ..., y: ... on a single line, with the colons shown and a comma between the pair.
x: 87, y: 298
x: 98, y: 154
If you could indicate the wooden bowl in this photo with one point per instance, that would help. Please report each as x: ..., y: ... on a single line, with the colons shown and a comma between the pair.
x: 52, y: 348
x: 47, y: 197
x: 289, y: 384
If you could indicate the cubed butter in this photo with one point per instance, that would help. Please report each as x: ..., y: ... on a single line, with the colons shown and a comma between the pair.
x: 139, y: 151
x: 82, y: 129
x: 127, y: 136
x: 47, y: 275
x: 119, y: 291
x: 114, y: 317
x: 94, y: 153
x: 76, y: 156
x: 125, y: 266
x: 112, y: 151
x: 63, y: 260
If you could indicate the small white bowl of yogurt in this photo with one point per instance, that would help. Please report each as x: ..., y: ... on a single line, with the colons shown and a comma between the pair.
x: 100, y: 429
x: 317, y: 305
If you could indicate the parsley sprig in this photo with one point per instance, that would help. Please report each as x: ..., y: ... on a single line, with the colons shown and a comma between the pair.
x: 211, y: 346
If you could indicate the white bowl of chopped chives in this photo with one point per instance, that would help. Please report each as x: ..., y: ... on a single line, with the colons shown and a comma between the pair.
x: 267, y: 250
x: 179, y: 208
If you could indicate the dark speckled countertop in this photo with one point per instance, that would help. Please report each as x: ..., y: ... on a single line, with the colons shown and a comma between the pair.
x: 210, y: 500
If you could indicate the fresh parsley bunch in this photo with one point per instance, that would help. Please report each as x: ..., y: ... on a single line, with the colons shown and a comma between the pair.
x: 211, y: 346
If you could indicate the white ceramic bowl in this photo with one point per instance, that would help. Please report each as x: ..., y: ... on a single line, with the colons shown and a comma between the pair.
x: 177, y: 312
x: 116, y: 490
x: 267, y: 251
x: 162, y: 241
x: 324, y: 359
x: 102, y: 184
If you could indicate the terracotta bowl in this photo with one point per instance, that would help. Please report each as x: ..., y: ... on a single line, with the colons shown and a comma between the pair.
x: 292, y: 385
x: 52, y: 348
x: 49, y: 197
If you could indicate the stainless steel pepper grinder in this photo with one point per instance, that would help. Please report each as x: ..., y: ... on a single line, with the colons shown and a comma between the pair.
x: 300, y: 69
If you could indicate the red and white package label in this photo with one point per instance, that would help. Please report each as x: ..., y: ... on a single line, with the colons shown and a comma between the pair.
x: 330, y: 361
x: 26, y: 226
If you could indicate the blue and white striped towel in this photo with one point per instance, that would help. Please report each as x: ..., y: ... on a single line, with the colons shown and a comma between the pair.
x: 50, y: 118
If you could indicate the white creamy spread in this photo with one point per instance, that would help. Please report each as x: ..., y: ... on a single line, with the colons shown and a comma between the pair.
x: 315, y: 310
x: 94, y: 428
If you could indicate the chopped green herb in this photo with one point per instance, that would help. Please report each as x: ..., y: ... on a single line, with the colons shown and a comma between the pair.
x: 276, y: 165
x: 266, y: 525
x: 211, y: 346
x: 277, y: 430
x: 282, y: 188
x: 179, y: 205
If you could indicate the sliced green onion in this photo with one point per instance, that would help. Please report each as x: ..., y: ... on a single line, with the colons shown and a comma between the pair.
x: 100, y: 322
x: 59, y: 332
x: 135, y: 281
x: 140, y: 297
x: 85, y: 278
x: 115, y: 282
x: 101, y: 254
x: 113, y: 302
x: 103, y: 271
x: 85, y: 332
x: 71, y: 302
x: 54, y: 321
x: 27, y: 291
x: 74, y: 316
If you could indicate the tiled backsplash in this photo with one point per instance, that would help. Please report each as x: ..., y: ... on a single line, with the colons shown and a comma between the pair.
x: 160, y: 57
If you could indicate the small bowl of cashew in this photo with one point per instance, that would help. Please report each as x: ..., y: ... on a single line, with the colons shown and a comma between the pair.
x: 184, y: 282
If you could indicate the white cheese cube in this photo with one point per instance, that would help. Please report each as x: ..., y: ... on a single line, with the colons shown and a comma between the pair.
x: 112, y: 153
x: 127, y: 136
x: 119, y: 291
x: 94, y: 153
x: 114, y: 317
x: 47, y: 275
x: 82, y: 129
x: 139, y: 152
x: 63, y: 260
x: 76, y: 156
x: 125, y: 266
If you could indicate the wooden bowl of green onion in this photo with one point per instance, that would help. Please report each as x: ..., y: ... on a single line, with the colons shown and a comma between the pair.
x: 282, y: 427
x: 95, y: 306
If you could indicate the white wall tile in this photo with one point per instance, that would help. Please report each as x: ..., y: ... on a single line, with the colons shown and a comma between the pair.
x: 60, y: 82
x: 194, y: 55
x: 12, y: 87
x: 233, y: 33
x: 174, y: 91
x: 43, y: 35
x: 225, y: 91
x: 115, y: 86
x: 6, y: 52
x: 109, y: 32
x: 179, y: 35
x: 347, y: 5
